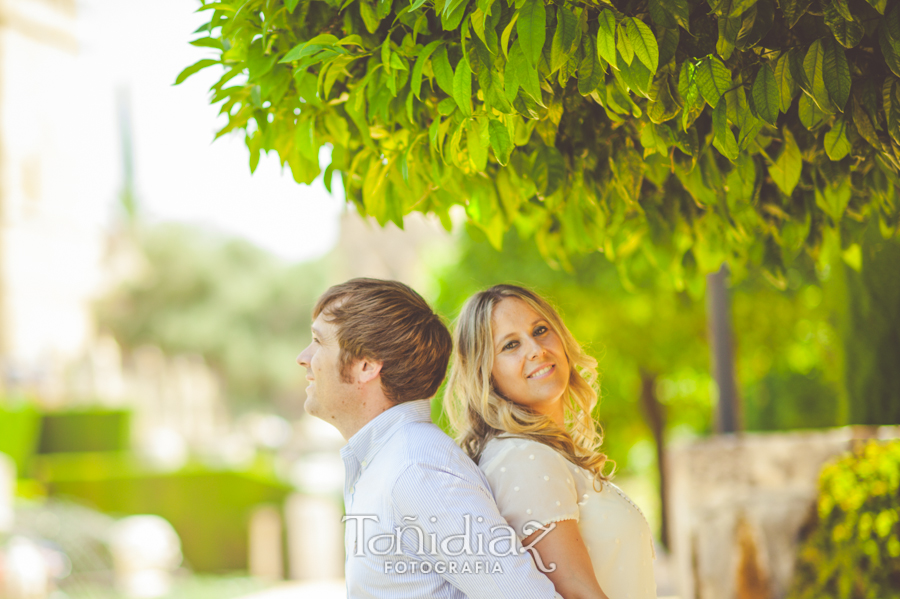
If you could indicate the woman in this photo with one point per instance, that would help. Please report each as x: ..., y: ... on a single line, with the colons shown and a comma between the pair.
x: 522, y: 394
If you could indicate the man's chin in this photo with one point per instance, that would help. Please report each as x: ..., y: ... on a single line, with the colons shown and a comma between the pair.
x: 309, y: 406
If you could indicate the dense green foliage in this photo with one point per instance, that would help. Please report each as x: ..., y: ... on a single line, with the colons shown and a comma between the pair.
x: 870, y: 331
x: 243, y: 310
x: 684, y: 131
x: 85, y: 430
x: 853, y: 549
x: 210, y: 510
x: 20, y: 428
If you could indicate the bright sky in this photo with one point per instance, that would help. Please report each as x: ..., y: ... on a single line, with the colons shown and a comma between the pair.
x: 180, y: 174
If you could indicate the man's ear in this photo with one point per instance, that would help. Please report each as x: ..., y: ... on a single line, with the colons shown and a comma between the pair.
x: 368, y: 370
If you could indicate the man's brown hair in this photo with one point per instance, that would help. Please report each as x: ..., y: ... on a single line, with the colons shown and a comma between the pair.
x: 389, y: 322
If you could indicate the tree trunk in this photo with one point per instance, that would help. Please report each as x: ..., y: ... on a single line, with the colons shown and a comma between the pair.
x: 656, y: 418
x: 718, y: 307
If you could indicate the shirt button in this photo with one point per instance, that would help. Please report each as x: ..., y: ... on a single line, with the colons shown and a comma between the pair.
x: 352, y: 489
x: 364, y: 463
x: 546, y: 478
x: 531, y: 457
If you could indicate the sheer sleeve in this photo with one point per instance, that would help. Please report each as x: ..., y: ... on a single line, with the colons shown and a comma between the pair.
x: 531, y: 483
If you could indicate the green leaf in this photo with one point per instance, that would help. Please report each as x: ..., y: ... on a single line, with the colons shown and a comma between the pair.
x: 681, y: 12
x: 864, y: 125
x: 416, y: 5
x: 793, y: 10
x: 563, y: 38
x: 644, y: 43
x: 623, y: 44
x: 785, y: 171
x: 208, y: 42
x: 606, y: 37
x: 443, y: 72
x: 383, y: 8
x: 664, y: 106
x: 525, y: 74
x: 837, y: 73
x: 367, y: 13
x: 878, y: 5
x: 690, y: 94
x: 660, y: 14
x: 723, y: 138
x: 197, y: 66
x: 846, y: 30
x: 668, y: 45
x: 713, y: 79
x: 291, y: 5
x: 549, y: 170
x: 809, y: 113
x: 636, y: 77
x: 729, y: 28
x: 834, y: 197
x: 532, y: 30
x: 500, y: 141
x: 305, y: 139
x: 507, y: 32
x: 415, y: 81
x: 765, y: 95
x: 590, y: 71
x: 841, y: 7
x: 453, y: 13
x: 462, y: 87
x: 836, y: 143
x: 889, y: 39
x: 814, y: 68
x: 787, y: 88
x: 477, y: 141
x: 890, y: 92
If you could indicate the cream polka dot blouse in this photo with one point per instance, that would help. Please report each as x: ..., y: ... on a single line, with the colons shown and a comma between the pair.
x: 532, y: 482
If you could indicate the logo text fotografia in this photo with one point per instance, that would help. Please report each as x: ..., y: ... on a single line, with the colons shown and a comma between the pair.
x: 464, y: 546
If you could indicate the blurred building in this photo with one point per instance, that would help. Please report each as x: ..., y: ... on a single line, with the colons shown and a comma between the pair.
x: 53, y: 198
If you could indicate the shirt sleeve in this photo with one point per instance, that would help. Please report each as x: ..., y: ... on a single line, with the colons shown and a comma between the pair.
x: 462, y: 526
x: 532, y: 483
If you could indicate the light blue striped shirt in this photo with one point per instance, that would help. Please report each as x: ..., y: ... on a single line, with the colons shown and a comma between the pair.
x: 405, y: 478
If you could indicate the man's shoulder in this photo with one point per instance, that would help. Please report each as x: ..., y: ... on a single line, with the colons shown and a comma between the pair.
x: 419, y: 448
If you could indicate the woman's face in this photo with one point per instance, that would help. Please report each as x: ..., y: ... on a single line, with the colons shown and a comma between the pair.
x: 530, y: 365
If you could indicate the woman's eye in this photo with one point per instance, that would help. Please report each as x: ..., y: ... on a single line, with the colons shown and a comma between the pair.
x: 540, y: 330
x: 510, y: 345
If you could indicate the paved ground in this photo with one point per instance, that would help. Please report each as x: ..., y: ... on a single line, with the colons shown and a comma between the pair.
x: 332, y: 589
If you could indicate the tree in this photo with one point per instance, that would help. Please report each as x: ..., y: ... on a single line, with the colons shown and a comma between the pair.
x: 242, y: 309
x: 739, y: 131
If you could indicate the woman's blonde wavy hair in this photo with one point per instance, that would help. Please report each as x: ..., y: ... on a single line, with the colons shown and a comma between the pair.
x: 479, y: 413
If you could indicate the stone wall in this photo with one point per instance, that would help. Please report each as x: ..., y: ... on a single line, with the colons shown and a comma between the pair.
x: 738, y: 503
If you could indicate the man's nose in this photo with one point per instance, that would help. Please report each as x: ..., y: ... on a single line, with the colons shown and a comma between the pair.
x: 303, y: 358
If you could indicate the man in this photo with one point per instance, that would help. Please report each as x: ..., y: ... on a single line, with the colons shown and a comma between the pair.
x: 421, y: 521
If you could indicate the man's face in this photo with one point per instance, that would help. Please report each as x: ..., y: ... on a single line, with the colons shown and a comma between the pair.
x: 327, y: 396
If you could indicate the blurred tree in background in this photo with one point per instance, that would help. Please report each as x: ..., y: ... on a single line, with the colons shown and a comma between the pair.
x: 242, y: 309
x: 651, y: 342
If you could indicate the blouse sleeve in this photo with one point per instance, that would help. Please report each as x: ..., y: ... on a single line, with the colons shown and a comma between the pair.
x: 531, y: 483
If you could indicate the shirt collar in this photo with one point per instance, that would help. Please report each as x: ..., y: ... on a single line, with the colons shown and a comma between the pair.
x: 370, y: 438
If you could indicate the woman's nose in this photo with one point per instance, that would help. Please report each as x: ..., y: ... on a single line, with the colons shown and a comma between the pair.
x: 535, y: 350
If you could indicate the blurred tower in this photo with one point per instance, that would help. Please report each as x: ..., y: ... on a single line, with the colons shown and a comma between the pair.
x: 54, y: 197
